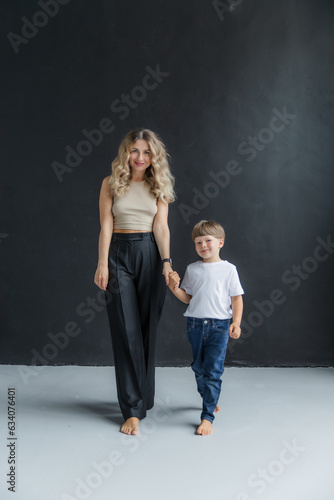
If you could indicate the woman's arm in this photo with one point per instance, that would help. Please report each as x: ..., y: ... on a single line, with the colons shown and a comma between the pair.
x: 162, y: 236
x: 106, y: 221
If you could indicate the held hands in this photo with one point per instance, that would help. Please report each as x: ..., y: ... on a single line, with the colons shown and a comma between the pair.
x: 234, y: 330
x: 101, y: 277
x: 174, y: 280
x: 166, y: 270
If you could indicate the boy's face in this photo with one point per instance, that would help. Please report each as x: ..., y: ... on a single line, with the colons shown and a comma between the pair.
x: 208, y: 247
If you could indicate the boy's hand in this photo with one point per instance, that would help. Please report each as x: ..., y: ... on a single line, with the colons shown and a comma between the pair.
x: 174, y: 280
x: 234, y: 330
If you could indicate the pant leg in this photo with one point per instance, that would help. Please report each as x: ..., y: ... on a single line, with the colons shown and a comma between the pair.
x: 151, y: 292
x: 214, y: 351
x: 195, y: 337
x: 126, y: 335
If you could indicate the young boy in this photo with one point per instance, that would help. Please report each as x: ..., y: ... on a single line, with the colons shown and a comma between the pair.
x: 213, y: 291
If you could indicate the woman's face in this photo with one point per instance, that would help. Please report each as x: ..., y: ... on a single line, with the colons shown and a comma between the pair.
x: 140, y: 156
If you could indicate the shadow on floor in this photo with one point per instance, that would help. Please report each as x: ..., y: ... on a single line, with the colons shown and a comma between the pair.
x: 108, y: 411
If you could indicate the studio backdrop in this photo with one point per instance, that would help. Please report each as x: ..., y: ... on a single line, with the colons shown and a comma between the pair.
x: 242, y: 94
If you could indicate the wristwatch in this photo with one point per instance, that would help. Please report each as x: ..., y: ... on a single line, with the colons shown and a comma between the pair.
x: 167, y: 260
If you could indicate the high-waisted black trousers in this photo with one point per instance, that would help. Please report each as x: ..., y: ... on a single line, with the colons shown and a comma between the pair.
x: 138, y: 290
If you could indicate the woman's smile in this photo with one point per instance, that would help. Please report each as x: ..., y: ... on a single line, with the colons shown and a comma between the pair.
x: 140, y: 156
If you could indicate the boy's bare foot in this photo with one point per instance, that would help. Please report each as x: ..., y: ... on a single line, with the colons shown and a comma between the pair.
x: 217, y: 408
x: 130, y: 426
x: 205, y: 428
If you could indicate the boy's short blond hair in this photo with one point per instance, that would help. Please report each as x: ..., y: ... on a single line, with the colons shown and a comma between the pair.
x: 208, y: 227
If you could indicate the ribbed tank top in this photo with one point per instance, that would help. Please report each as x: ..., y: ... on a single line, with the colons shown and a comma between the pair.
x: 135, y: 210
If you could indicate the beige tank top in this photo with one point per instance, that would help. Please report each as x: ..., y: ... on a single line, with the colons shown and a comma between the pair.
x: 135, y: 210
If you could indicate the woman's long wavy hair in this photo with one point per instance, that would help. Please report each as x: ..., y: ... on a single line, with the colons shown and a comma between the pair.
x: 157, y: 175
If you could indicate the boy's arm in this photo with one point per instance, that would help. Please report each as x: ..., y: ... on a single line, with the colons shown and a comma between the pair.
x: 174, y: 280
x: 237, y: 307
x: 181, y: 295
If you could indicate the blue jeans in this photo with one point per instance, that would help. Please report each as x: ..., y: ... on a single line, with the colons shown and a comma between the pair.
x: 208, y: 338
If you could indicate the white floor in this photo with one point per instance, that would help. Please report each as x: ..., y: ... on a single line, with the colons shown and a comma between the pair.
x: 272, y: 440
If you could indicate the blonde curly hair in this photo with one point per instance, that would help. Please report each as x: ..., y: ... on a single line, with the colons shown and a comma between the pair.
x: 157, y: 175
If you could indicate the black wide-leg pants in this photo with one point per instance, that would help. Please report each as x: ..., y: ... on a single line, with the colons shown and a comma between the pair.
x: 136, y: 292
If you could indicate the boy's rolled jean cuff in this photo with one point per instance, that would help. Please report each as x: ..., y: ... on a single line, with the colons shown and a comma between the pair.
x: 205, y: 416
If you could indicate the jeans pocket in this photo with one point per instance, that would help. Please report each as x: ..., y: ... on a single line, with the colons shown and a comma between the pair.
x: 223, y: 326
x: 191, y: 327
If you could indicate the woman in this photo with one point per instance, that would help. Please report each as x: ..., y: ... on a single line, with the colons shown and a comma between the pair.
x: 133, y: 251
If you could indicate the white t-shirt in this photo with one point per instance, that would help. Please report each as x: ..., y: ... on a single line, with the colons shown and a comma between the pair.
x: 211, y: 284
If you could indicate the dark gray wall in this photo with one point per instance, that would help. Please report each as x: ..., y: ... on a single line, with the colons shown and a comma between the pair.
x: 244, y: 102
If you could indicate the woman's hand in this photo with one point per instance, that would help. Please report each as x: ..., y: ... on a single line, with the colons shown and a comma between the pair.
x: 101, y: 276
x: 166, y: 269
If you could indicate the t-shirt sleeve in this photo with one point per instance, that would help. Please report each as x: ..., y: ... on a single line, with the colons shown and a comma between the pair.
x: 185, y: 284
x: 235, y: 287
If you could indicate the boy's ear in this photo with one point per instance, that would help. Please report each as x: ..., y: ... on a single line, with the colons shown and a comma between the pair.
x: 221, y: 243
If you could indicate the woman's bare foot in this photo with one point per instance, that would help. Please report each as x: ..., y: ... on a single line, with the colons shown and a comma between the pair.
x: 217, y: 408
x: 130, y: 426
x: 205, y: 428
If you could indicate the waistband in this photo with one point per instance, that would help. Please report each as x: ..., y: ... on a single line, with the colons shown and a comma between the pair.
x: 204, y: 321
x: 132, y: 236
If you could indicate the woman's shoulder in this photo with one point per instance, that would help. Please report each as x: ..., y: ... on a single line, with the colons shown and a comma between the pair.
x: 105, y: 188
x: 106, y: 180
x: 105, y: 184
